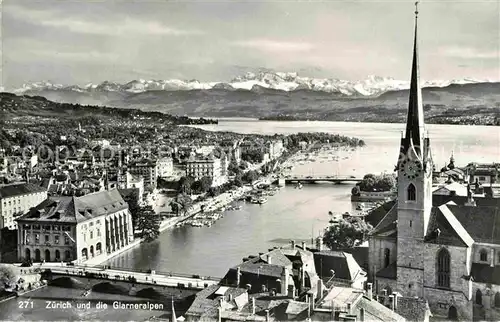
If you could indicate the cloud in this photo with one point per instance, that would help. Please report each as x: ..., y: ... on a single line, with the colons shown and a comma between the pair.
x: 469, y: 53
x: 123, y: 27
x: 275, y: 46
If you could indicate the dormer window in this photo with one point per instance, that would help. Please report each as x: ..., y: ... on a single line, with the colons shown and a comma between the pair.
x: 411, y: 193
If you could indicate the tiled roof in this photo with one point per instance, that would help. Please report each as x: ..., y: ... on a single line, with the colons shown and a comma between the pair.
x: 413, y: 309
x: 377, y: 214
x: 484, y: 273
x: 482, y: 223
x: 388, y: 224
x: 276, y: 257
x: 295, y: 308
x: 19, y: 190
x: 389, y: 272
x: 76, y: 209
x: 61, y: 210
x: 374, y: 311
x: 262, y: 269
x: 451, y: 231
x: 343, y: 264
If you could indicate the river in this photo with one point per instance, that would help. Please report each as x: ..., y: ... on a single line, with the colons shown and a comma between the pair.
x: 293, y: 213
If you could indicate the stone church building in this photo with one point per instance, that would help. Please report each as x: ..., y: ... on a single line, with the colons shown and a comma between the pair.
x: 446, y: 252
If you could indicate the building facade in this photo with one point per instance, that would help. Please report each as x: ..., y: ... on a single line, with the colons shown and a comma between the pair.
x: 75, y: 228
x: 444, y: 253
x: 17, y: 199
x: 199, y: 167
x: 165, y: 167
x: 148, y: 169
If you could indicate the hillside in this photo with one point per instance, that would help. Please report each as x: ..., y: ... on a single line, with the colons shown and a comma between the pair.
x: 14, y: 106
x: 475, y: 103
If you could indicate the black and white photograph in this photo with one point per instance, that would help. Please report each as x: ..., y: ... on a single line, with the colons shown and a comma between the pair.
x: 250, y: 160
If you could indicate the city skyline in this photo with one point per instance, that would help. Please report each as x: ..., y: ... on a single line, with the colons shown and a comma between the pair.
x: 81, y: 42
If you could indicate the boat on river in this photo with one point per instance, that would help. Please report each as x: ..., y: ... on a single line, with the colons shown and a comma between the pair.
x: 262, y: 200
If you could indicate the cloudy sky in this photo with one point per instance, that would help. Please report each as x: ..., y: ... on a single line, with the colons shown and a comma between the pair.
x: 76, y: 41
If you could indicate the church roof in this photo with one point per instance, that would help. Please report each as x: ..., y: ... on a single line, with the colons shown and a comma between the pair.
x: 376, y: 215
x: 387, y: 227
x: 482, y: 223
x: 451, y: 231
x: 389, y: 272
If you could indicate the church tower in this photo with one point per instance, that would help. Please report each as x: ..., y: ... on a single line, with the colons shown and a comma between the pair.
x: 414, y: 188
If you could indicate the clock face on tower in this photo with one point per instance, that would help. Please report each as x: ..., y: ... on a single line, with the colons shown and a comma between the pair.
x: 411, y: 169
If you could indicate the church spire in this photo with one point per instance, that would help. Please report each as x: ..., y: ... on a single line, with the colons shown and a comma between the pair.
x: 415, y: 120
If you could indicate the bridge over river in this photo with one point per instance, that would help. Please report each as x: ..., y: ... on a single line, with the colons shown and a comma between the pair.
x: 324, y: 178
x: 178, y: 280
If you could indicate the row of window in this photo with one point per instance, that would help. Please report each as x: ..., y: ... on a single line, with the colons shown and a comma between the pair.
x: 47, y: 257
x: 47, y: 227
x: 57, y: 239
x: 92, y: 234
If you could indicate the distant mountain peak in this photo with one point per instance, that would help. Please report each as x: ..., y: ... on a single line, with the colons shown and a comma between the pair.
x: 372, y: 85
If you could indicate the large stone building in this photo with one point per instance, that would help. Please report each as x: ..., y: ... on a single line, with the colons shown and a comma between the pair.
x: 444, y: 253
x: 75, y: 228
x: 148, y: 169
x: 16, y: 199
x: 206, y: 166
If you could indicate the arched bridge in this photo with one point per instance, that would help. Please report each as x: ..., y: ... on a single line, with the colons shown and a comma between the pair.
x: 131, y: 276
x: 317, y: 178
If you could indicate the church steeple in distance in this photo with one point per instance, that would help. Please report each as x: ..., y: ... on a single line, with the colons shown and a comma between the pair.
x: 414, y: 136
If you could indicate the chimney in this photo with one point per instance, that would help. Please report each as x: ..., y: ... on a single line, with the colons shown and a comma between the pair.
x: 253, y: 305
x: 304, y: 245
x: 313, y: 301
x: 349, y: 304
x: 384, y: 292
x: 293, y: 244
x: 269, y: 261
x: 230, y: 297
x: 238, y: 276
x: 284, y: 281
x: 302, y: 278
x: 320, y: 289
x: 267, y: 315
x: 369, y: 290
x: 333, y: 311
x: 391, y: 301
x: 492, y: 257
x: 395, y: 294
x: 219, y: 315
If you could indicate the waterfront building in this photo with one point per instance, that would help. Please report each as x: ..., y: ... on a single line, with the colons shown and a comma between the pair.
x: 205, y: 166
x: 16, y: 199
x: 135, y: 182
x: 96, y: 225
x: 433, y: 247
x: 146, y: 168
x: 165, y: 167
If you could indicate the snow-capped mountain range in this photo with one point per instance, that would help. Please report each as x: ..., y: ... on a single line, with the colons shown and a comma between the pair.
x: 289, y: 81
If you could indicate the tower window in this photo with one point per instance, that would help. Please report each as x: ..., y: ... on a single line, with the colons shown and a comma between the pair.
x: 387, y: 257
x: 483, y: 255
x: 411, y: 192
x: 443, y: 268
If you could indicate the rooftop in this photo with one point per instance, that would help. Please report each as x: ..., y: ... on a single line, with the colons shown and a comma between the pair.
x: 14, y: 190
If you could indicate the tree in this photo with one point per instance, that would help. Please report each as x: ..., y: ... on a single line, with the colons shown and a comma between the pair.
x: 185, y: 184
x: 346, y: 233
x: 202, y: 185
x: 149, y: 224
x: 238, y: 180
x: 184, y: 202
x: 7, y: 276
x: 250, y: 176
x: 133, y: 205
